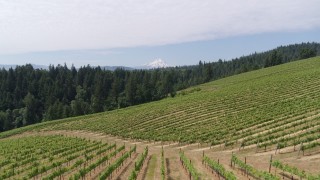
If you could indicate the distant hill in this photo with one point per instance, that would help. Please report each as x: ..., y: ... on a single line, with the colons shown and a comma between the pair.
x: 13, y: 66
x: 35, y: 66
x: 112, y: 68
x: 158, y: 63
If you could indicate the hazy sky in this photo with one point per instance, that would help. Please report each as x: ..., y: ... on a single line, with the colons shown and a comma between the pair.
x: 134, y: 32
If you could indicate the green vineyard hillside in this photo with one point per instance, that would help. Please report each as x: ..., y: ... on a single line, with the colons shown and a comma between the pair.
x: 277, y: 106
x: 263, y: 124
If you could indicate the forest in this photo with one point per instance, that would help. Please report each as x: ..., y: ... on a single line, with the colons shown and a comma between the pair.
x: 29, y: 95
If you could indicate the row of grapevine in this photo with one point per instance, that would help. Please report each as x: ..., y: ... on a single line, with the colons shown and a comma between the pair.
x: 34, y: 156
x: 163, y: 166
x: 58, y: 163
x: 53, y: 156
x: 305, y: 129
x: 312, y: 145
x: 251, y: 170
x: 89, y: 154
x: 293, y: 170
x: 84, y: 171
x: 186, y: 163
x: 218, y: 168
x: 111, y: 168
x: 138, y: 165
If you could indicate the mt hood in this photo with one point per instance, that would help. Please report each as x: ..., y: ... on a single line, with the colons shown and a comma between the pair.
x: 158, y: 63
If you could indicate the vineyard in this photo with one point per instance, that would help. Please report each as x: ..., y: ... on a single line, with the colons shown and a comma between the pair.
x: 262, y: 124
x: 57, y: 156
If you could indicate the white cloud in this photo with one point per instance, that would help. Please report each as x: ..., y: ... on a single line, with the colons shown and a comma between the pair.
x: 38, y: 25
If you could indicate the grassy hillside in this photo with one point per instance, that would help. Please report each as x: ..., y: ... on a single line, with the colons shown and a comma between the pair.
x: 273, y: 106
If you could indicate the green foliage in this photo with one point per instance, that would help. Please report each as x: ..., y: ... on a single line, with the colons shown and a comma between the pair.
x: 186, y: 92
x: 138, y: 165
x: 252, y: 171
x: 141, y: 159
x: 105, y: 174
x: 293, y: 170
x: 275, y: 58
x: 163, y: 169
x: 188, y: 165
x: 133, y: 175
x: 82, y: 172
x: 36, y: 155
x: 310, y: 146
x: 311, y: 177
x: 307, y: 53
x: 56, y: 173
x: 219, y: 168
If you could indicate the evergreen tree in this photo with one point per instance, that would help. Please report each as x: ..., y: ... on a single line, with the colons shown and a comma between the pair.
x: 2, y: 120
x: 275, y: 58
x: 79, y: 105
x: 130, y: 90
x: 307, y: 53
x: 208, y: 72
x: 30, y: 113
x: 8, y: 121
x: 97, y: 99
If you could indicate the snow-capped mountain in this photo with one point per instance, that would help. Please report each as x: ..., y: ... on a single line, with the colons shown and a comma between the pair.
x: 157, y: 63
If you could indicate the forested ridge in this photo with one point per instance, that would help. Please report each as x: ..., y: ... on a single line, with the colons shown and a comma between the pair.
x: 29, y: 95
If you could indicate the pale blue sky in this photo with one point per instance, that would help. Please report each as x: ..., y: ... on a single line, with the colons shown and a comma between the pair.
x: 135, y: 32
x: 176, y: 54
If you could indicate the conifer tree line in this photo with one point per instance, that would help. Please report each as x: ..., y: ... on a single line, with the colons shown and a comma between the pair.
x: 29, y: 95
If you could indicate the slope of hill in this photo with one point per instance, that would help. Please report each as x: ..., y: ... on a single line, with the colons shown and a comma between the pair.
x: 243, y: 109
x: 268, y: 111
x: 251, y: 108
